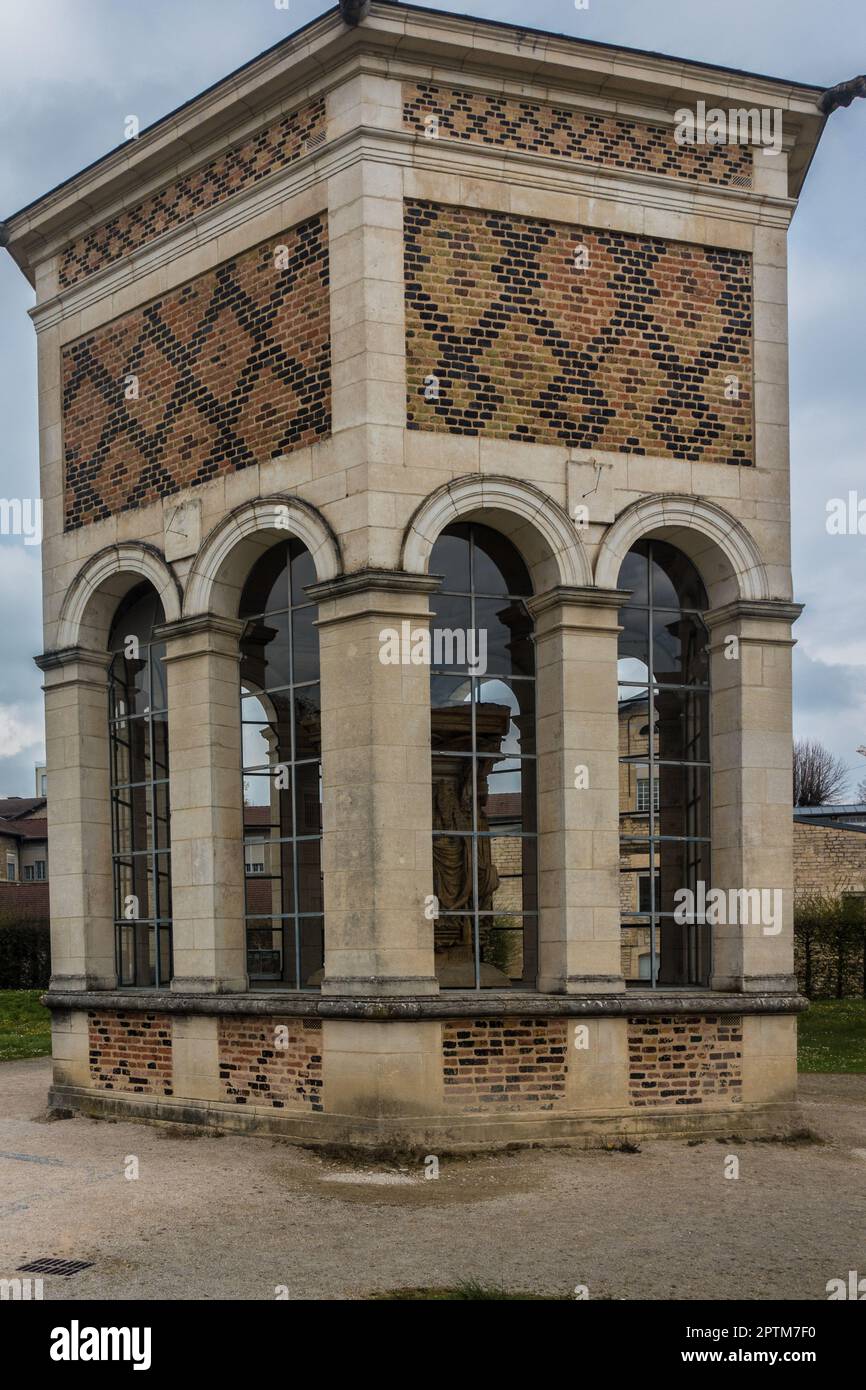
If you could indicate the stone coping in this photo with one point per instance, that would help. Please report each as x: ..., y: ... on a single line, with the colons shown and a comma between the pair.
x: 454, y: 1004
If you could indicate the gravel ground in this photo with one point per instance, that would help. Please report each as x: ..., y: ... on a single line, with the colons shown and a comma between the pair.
x: 231, y: 1217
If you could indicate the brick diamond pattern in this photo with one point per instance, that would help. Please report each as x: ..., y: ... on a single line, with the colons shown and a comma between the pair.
x: 275, y: 146
x: 645, y: 349
x: 539, y: 128
x: 231, y: 369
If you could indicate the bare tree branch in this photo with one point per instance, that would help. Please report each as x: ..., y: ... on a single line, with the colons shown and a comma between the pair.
x: 820, y: 777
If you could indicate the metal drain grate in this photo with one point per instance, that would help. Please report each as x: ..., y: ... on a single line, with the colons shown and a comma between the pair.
x: 51, y: 1266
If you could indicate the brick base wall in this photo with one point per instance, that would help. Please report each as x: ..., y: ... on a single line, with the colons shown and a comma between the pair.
x: 685, y: 1061
x: 256, y: 1069
x: 506, y: 1063
x: 131, y: 1052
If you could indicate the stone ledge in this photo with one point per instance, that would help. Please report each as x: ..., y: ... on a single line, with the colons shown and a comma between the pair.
x: 490, y: 1004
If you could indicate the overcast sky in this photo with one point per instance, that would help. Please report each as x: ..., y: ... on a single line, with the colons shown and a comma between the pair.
x: 71, y: 71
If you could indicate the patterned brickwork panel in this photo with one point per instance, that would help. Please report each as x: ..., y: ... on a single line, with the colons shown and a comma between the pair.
x: 531, y: 330
x: 685, y: 1061
x: 229, y: 370
x: 505, y: 1063
x: 130, y: 1052
x: 532, y: 127
x: 276, y: 146
x: 262, y: 1065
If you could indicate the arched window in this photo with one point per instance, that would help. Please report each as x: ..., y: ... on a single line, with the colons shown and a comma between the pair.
x: 664, y: 745
x: 141, y: 836
x: 282, y: 775
x: 482, y: 698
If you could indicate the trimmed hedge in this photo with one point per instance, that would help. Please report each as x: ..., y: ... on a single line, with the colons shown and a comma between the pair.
x: 25, y: 955
x: 830, y: 947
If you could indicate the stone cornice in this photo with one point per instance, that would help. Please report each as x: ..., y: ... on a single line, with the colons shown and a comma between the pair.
x: 485, y: 1004
x: 72, y: 656
x: 305, y: 61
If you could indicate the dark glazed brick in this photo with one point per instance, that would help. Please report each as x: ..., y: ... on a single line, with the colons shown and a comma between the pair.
x: 233, y: 369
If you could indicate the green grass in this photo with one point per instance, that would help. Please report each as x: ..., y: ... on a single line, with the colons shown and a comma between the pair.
x: 25, y: 1026
x: 467, y: 1289
x: 832, y: 1036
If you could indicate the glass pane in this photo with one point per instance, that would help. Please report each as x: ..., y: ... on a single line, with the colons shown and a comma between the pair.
x: 450, y: 628
x: 265, y: 949
x: 308, y: 799
x: 635, y: 951
x: 513, y: 859
x: 506, y: 794
x: 634, y: 722
x: 159, y: 735
x: 683, y: 953
x: 268, y: 876
x: 158, y: 685
x: 501, y: 943
x: 308, y: 854
x: 305, y: 636
x: 679, y: 649
x: 303, y: 571
x: 683, y: 800
x: 680, y: 865
x: 633, y: 645
x: 675, y: 581
x: 503, y: 637
x: 635, y: 863
x: 450, y: 714
x: 311, y: 936
x: 265, y: 652
x: 634, y: 574
x: 267, y: 804
x: 450, y: 558
x: 518, y: 697
x: 499, y: 569
x: 267, y: 588
x: 308, y: 721
x: 635, y: 791
x: 452, y: 874
x: 682, y: 723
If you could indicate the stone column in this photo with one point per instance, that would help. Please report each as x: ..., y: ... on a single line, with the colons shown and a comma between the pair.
x: 578, y: 790
x: 377, y: 855
x: 79, y: 819
x: 751, y: 754
x: 206, y: 798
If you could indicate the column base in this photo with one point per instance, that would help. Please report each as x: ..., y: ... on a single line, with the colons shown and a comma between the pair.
x: 583, y: 984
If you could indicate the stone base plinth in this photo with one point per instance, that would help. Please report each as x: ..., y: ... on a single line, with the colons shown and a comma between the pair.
x: 461, y: 1071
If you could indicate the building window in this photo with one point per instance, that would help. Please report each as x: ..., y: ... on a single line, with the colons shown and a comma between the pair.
x: 28, y: 872
x: 10, y: 870
x: 40, y: 868
x: 482, y: 699
x: 664, y: 744
x: 138, y: 727
x: 282, y: 773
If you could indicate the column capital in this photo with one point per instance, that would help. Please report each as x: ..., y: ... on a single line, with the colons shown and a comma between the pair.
x: 372, y: 593
x: 202, y: 632
x: 74, y: 665
x: 579, y: 596
x: 761, y: 610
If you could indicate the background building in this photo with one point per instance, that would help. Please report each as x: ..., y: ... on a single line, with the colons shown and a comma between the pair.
x: 396, y: 331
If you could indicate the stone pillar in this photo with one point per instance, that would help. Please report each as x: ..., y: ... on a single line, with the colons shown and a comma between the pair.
x: 578, y: 790
x: 751, y: 755
x: 206, y: 799
x: 377, y: 856
x: 79, y: 819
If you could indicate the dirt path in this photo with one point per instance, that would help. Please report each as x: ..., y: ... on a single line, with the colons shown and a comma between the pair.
x: 237, y: 1217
